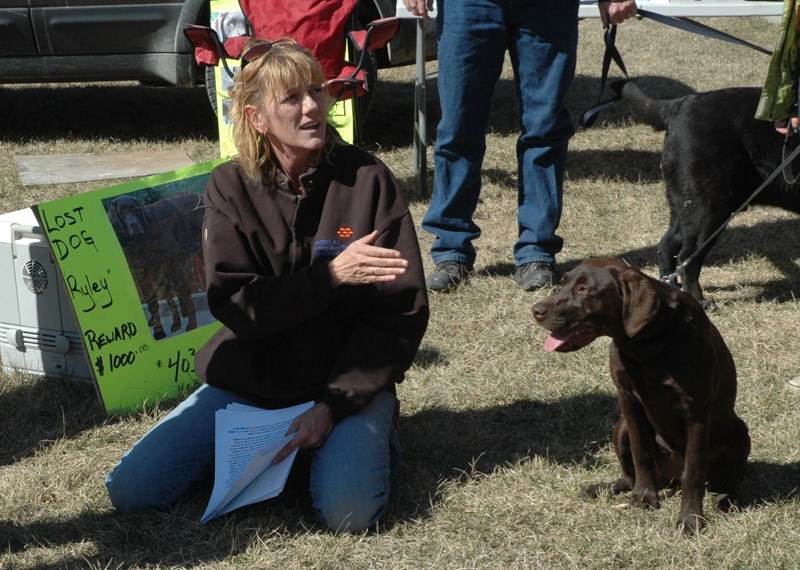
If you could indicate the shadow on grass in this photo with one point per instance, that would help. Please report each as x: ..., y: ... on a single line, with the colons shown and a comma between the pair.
x: 390, y: 125
x: 156, y: 539
x: 766, y: 239
x: 129, y: 111
x: 444, y: 446
x: 122, y: 112
x: 764, y: 483
x: 38, y: 412
x: 132, y: 112
x: 441, y: 446
x: 390, y: 120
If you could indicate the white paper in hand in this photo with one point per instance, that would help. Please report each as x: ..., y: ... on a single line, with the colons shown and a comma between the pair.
x: 247, y: 439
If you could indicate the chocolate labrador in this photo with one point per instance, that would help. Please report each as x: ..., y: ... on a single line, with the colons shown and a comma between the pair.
x: 675, y: 381
x: 715, y: 155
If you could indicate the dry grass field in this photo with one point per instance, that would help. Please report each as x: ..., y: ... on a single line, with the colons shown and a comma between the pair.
x: 499, y: 436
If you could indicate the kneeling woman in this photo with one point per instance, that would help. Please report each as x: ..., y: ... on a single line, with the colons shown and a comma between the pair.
x: 314, y: 271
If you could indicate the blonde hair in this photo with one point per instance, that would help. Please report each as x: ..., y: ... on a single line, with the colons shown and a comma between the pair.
x: 284, y: 66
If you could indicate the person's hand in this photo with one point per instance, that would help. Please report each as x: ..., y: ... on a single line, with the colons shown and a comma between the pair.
x: 788, y: 127
x: 312, y: 427
x: 616, y: 11
x: 419, y: 7
x: 363, y: 263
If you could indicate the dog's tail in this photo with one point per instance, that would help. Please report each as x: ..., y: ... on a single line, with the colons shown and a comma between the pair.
x: 645, y: 109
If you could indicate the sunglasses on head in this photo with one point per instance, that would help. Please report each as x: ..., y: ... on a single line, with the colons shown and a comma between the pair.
x: 255, y: 52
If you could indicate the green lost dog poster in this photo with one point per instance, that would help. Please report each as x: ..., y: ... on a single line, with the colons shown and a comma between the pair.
x: 132, y: 263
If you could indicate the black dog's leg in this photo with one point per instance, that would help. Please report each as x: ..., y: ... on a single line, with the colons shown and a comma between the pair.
x: 669, y: 247
x: 691, y: 284
x: 699, y: 221
x: 691, y: 273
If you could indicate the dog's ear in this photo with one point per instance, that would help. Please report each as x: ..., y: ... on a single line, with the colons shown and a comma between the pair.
x: 640, y: 301
x: 144, y: 213
x: 113, y: 214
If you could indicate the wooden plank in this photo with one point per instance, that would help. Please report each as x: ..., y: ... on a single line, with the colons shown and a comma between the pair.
x: 63, y: 168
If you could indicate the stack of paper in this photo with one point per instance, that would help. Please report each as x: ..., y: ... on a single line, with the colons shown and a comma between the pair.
x: 247, y: 440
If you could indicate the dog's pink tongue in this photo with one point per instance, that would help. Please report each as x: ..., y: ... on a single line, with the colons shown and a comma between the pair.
x: 567, y: 342
x: 555, y: 341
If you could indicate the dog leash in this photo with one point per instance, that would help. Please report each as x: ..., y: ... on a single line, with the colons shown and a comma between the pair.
x: 788, y: 174
x: 672, y: 278
x: 612, y: 54
x: 689, y: 25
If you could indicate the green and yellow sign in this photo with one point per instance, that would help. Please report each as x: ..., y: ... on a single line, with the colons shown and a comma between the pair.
x: 132, y: 262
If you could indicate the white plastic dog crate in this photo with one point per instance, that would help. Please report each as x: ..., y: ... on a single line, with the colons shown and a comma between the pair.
x: 38, y: 331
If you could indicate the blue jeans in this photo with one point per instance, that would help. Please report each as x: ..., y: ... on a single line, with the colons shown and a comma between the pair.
x: 541, y: 37
x: 350, y: 474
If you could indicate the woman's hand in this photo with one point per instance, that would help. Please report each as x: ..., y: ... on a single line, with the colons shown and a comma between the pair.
x: 363, y: 263
x: 312, y: 427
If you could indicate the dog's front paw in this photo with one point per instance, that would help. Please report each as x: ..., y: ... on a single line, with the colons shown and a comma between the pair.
x: 691, y: 523
x: 645, y: 498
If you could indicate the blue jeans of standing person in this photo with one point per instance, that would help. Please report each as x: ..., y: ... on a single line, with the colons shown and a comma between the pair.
x: 541, y: 38
x: 350, y: 474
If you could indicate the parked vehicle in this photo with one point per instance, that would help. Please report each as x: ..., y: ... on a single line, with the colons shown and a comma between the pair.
x: 46, y: 41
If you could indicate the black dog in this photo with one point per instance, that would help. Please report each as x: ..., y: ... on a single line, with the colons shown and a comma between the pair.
x: 716, y: 154
x: 162, y: 244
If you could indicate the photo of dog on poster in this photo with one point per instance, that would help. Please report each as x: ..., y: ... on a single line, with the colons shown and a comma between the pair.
x: 159, y: 231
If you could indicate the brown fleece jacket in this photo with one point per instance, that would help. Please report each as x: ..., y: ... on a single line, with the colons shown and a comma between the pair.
x: 289, y: 334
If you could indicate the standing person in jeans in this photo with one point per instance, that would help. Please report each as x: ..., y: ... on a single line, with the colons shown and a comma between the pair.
x: 541, y: 37
x: 314, y: 271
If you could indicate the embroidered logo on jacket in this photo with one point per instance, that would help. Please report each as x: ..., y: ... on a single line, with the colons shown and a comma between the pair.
x: 328, y: 247
x: 334, y: 246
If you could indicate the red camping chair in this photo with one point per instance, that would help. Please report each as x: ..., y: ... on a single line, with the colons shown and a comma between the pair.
x: 319, y: 25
